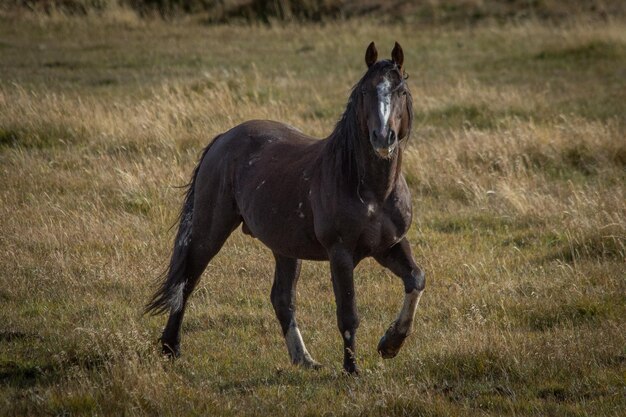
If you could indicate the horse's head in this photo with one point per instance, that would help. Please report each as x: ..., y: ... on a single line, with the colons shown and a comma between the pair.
x: 386, y: 103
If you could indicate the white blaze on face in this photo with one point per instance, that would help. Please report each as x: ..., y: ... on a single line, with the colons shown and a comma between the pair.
x: 384, y: 103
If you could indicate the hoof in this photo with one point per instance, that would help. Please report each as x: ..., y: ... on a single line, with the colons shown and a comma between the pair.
x: 310, y: 363
x: 349, y: 366
x: 351, y: 370
x: 390, y: 343
x: 170, y: 351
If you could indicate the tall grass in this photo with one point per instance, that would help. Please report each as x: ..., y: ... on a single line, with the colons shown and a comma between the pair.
x: 263, y: 11
x: 517, y: 167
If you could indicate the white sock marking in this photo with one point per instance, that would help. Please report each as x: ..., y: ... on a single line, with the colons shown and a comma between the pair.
x: 295, y: 346
x: 404, y: 322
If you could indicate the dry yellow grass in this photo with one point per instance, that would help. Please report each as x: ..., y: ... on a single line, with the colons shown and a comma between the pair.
x: 517, y: 165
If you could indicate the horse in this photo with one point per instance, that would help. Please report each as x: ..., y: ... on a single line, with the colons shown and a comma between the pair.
x: 339, y: 199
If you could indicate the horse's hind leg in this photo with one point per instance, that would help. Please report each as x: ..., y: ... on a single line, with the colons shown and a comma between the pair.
x: 210, y: 228
x: 284, y: 302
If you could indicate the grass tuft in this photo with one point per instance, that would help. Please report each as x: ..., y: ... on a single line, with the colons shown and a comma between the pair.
x: 585, y: 53
x: 24, y: 374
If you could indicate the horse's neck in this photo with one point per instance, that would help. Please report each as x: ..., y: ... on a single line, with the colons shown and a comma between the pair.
x: 354, y: 160
x: 379, y: 175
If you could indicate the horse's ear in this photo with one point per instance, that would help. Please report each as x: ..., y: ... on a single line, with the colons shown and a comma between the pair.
x: 397, y: 55
x: 371, y: 55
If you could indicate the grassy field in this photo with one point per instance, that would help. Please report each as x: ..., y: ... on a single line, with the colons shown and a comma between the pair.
x: 518, y: 169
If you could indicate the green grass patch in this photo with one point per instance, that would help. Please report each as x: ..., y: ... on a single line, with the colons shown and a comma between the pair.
x: 531, y: 239
x: 479, y: 116
x: 25, y: 374
x: 483, y: 224
x: 588, y: 53
x: 607, y: 244
x: 64, y: 65
x: 77, y: 404
x: 482, y: 366
x: 44, y: 136
x: 584, y: 311
x: 136, y: 203
x: 8, y: 138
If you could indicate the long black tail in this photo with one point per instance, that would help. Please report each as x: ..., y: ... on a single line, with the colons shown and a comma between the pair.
x: 169, y: 294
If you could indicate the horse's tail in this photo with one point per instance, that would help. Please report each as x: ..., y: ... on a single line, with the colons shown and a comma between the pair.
x: 169, y: 294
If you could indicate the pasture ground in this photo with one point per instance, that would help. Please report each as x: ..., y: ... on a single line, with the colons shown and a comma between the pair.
x: 517, y: 165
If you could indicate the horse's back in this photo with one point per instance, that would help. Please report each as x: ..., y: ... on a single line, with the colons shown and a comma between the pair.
x: 266, y: 167
x: 264, y: 132
x: 247, y: 142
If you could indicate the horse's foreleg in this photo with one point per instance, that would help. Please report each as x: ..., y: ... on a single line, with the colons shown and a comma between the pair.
x: 342, y: 269
x: 284, y: 301
x: 400, y: 261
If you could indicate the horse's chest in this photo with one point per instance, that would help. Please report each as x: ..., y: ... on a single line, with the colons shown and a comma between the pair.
x: 384, y: 227
x: 366, y: 225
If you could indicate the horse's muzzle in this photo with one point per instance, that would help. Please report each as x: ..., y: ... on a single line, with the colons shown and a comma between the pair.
x: 384, y: 145
x: 386, y: 152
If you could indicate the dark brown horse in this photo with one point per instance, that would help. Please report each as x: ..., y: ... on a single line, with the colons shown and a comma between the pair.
x: 340, y: 199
